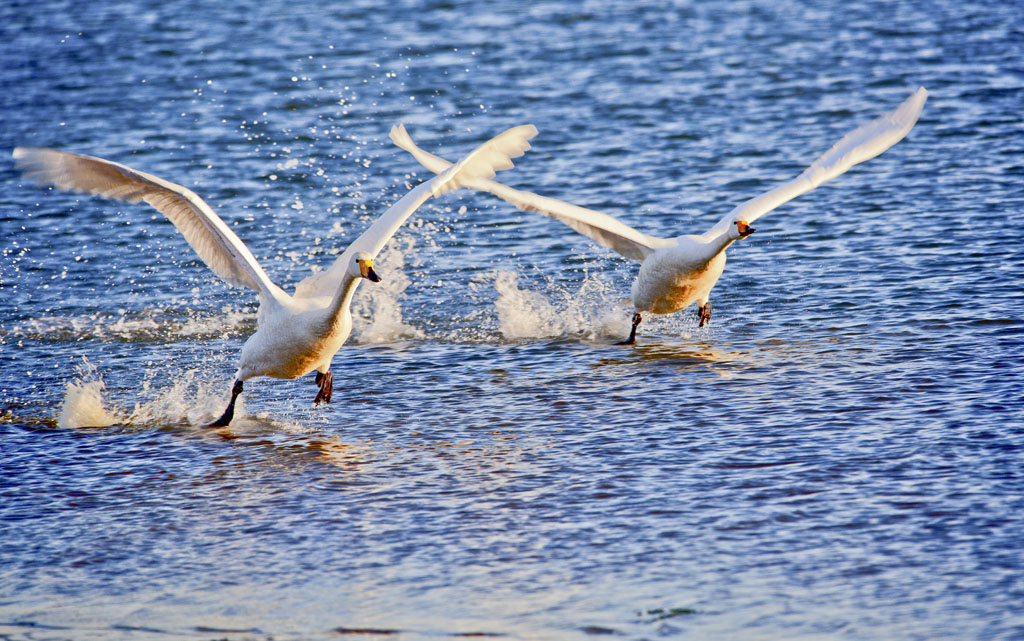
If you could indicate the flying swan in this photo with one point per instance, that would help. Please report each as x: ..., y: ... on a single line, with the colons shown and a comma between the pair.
x: 675, y: 272
x: 296, y: 334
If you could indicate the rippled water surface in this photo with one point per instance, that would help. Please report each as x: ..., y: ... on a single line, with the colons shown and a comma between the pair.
x: 837, y: 456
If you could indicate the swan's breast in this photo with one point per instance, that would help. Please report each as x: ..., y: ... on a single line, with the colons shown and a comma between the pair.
x: 671, y: 280
x: 293, y: 345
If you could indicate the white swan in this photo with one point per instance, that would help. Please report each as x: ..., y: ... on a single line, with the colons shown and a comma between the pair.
x: 298, y: 333
x: 675, y: 272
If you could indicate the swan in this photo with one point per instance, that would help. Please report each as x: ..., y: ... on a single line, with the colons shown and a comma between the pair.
x: 675, y: 272
x: 298, y: 333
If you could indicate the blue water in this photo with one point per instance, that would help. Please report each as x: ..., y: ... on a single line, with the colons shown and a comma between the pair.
x: 837, y: 456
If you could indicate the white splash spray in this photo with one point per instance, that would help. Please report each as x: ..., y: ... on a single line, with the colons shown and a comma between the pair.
x: 190, y: 399
x: 592, y: 311
x: 83, y: 404
x: 523, y: 313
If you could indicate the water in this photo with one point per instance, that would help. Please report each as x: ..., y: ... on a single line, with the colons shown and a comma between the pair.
x: 838, y: 456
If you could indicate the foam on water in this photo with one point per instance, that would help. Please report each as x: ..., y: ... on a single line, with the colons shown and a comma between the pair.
x: 132, y: 326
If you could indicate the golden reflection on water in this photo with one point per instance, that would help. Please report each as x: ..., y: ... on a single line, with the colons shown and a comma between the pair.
x: 718, y: 361
x: 292, y: 444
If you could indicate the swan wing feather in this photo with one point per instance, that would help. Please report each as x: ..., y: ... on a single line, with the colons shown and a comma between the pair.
x: 494, y: 155
x: 219, y: 247
x: 599, y: 227
x: 863, y: 143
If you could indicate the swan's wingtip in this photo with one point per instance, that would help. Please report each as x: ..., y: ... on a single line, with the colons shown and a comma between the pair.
x: 19, y: 152
x: 400, y: 136
x: 909, y: 111
x: 528, y: 132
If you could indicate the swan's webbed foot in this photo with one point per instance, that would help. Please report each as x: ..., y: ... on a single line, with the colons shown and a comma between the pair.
x: 632, y: 332
x: 705, y: 314
x: 326, y: 382
x: 229, y: 413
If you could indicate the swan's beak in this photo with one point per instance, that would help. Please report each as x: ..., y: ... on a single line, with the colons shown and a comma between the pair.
x: 366, y: 269
x: 744, y: 229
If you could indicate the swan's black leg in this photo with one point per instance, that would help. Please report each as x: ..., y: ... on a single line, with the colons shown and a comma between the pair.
x: 705, y: 314
x: 632, y: 332
x: 326, y: 383
x: 229, y: 413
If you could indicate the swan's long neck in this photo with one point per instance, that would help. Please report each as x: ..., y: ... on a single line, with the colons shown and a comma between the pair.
x: 717, y: 244
x: 343, y: 297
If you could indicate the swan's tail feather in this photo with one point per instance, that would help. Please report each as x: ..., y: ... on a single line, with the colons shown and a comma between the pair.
x: 483, y: 162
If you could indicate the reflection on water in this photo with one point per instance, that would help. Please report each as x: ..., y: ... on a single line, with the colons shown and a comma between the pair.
x: 721, y: 361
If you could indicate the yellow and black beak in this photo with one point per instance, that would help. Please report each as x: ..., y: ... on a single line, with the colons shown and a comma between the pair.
x: 744, y: 229
x: 366, y: 270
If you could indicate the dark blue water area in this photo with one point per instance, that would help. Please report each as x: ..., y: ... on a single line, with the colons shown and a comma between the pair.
x: 838, y: 455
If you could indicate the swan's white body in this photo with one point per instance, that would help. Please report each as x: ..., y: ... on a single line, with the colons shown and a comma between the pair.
x: 675, y: 272
x: 296, y: 333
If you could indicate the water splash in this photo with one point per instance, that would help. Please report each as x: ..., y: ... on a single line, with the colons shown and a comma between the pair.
x: 523, y: 313
x: 593, y: 310
x: 190, y: 399
x: 83, y: 404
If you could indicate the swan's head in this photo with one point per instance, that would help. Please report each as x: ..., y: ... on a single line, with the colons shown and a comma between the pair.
x: 362, y: 267
x: 743, y: 229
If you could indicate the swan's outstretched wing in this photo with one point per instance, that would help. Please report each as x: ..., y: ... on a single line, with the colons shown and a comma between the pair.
x: 599, y: 227
x: 494, y: 155
x: 863, y: 143
x: 212, y: 239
